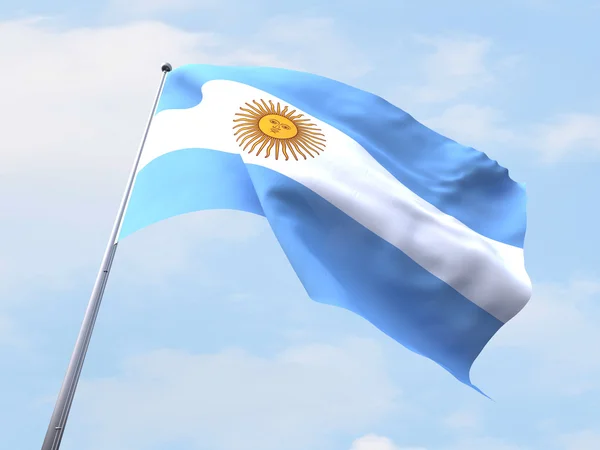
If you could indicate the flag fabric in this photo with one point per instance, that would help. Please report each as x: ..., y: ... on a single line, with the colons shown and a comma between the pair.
x: 376, y: 213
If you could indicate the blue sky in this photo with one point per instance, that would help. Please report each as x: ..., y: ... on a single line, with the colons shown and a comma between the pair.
x: 206, y: 340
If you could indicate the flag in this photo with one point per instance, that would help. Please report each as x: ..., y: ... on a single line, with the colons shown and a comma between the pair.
x: 376, y: 213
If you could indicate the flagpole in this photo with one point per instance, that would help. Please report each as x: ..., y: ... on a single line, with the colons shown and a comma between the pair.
x: 64, y: 401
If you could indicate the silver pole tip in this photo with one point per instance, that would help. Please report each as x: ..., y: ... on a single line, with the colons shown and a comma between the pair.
x: 166, y: 67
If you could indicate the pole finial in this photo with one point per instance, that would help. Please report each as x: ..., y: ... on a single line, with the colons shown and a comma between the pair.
x: 166, y: 67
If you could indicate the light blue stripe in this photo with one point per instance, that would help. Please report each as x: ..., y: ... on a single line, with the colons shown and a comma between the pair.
x: 459, y: 180
x: 186, y: 181
x: 338, y: 261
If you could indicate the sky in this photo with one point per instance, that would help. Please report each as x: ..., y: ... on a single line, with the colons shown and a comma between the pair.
x: 206, y: 340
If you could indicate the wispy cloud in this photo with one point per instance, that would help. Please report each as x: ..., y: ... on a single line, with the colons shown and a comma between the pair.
x: 463, y: 419
x: 9, y: 335
x: 566, y: 135
x: 582, y: 440
x: 455, y: 66
x: 374, y: 442
x: 473, y: 125
x: 288, y: 401
x: 147, y: 8
x: 558, y: 333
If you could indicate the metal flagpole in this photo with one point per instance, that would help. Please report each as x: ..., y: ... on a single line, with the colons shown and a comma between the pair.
x: 64, y: 401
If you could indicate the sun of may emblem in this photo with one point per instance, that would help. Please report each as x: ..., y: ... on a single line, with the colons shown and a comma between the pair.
x: 263, y: 126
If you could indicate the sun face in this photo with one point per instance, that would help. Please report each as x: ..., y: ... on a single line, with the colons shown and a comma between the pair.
x: 266, y: 127
x: 277, y: 126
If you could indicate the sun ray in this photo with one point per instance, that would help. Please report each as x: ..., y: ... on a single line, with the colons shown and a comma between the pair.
x: 248, y: 133
x: 262, y: 146
x: 310, y: 132
x: 291, y: 149
x: 271, y: 127
x: 242, y: 132
x: 284, y: 149
x: 251, y: 110
x: 277, y: 144
x: 258, y: 141
x: 245, y: 125
x: 247, y: 119
x: 296, y: 148
x: 314, y: 142
x: 240, y: 122
x: 257, y: 107
x: 307, y: 150
x: 248, y: 136
x: 264, y: 109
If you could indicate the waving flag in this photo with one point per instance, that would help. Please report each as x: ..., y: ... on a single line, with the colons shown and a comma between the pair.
x: 376, y: 213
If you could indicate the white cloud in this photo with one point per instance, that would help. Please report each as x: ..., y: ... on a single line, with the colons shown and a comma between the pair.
x: 463, y: 420
x: 485, y: 127
x: 558, y: 333
x: 374, y: 442
x: 151, y: 7
x: 80, y: 96
x: 9, y: 336
x: 472, y: 125
x: 457, y: 65
x: 78, y: 102
x: 566, y: 135
x: 234, y: 400
x: 583, y: 440
x: 483, y: 443
x: 322, y: 49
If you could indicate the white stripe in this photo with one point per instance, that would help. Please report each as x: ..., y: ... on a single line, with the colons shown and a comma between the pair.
x: 489, y: 273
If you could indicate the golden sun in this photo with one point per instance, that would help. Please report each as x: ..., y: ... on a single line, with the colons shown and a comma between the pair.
x: 265, y: 126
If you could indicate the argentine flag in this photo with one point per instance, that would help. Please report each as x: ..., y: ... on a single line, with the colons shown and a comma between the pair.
x: 376, y: 213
